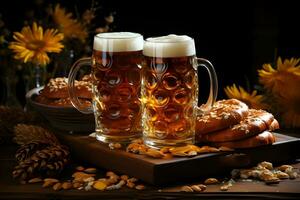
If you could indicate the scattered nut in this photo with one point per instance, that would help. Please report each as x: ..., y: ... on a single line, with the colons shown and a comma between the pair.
x: 154, y: 153
x: 57, y: 186
x: 124, y: 177
x: 138, y: 147
x: 272, y: 180
x: 165, y: 150
x: 133, y: 179
x: 203, y: 187
x: 35, y: 180
x: 89, y: 179
x: 90, y: 170
x: 196, y: 188
x: 192, y: 153
x: 80, y: 176
x: 247, y: 173
x: 186, y: 189
x: 266, y: 165
x: 79, y: 168
x: 293, y: 175
x: 281, y: 175
x: 224, y: 187
x: 207, y: 149
x: 49, y: 182
x: 67, y: 185
x: 115, y: 145
x: 116, y: 186
x: 100, y: 185
x: 80, y: 188
x: 88, y: 187
x: 227, y: 185
x: 130, y: 184
x: 265, y: 175
x: 283, y: 168
x: 140, y: 187
x: 77, y: 185
x: 113, y: 178
x: 110, y: 173
x: 211, y: 181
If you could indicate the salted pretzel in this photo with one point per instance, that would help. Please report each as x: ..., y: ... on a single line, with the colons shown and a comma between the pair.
x: 224, y: 113
x: 256, y: 122
x: 264, y: 138
x: 57, y: 88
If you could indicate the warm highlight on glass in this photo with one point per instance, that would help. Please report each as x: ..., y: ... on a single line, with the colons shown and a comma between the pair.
x: 170, y: 90
x: 116, y: 85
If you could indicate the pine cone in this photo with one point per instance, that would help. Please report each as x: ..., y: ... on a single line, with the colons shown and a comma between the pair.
x: 27, y: 150
x: 46, y: 162
x: 25, y: 134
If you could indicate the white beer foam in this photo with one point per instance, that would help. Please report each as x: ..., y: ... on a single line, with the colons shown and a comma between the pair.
x: 118, y: 42
x: 169, y: 46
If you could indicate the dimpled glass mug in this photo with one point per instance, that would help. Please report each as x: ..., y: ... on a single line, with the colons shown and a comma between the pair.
x: 170, y: 90
x: 115, y: 84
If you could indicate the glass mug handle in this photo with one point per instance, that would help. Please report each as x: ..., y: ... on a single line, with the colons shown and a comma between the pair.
x: 71, y: 83
x: 213, y: 91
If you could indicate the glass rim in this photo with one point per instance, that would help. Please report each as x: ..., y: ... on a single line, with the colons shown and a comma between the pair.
x: 101, y: 36
x: 161, y: 42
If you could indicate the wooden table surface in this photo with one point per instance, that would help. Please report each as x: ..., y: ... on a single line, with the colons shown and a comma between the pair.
x: 10, y: 189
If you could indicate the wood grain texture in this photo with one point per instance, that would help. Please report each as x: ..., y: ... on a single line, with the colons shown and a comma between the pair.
x: 9, y: 189
x: 163, y: 171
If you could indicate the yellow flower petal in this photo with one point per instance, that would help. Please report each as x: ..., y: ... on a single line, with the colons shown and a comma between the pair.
x: 252, y: 100
x: 283, y: 82
x: 32, y: 44
x: 70, y: 27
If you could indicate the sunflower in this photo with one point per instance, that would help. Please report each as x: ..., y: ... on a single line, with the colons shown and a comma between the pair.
x: 67, y: 25
x: 33, y: 44
x: 252, y: 100
x: 283, y: 82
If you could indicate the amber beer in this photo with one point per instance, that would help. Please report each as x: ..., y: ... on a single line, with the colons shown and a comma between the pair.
x: 116, y: 87
x: 116, y: 93
x: 169, y: 91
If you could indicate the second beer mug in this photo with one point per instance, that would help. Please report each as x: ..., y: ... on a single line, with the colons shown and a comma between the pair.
x: 170, y: 90
x: 116, y: 85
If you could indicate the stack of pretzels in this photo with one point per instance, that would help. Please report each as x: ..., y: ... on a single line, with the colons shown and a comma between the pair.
x: 232, y: 124
x: 55, y: 93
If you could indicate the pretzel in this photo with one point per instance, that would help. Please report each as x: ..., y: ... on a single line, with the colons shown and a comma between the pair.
x: 224, y: 113
x: 58, y: 88
x: 256, y: 122
x: 264, y: 138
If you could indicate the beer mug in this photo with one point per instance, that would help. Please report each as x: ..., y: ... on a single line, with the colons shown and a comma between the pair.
x: 170, y: 90
x: 115, y: 71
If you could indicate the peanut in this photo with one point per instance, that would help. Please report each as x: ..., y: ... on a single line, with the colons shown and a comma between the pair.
x: 211, y: 181
x: 186, y: 189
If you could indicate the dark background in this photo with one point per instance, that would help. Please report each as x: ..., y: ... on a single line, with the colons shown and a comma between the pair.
x: 236, y: 36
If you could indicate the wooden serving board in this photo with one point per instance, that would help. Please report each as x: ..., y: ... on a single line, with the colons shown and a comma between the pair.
x: 162, y: 171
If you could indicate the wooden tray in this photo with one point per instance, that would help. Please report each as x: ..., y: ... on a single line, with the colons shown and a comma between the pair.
x: 162, y: 171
